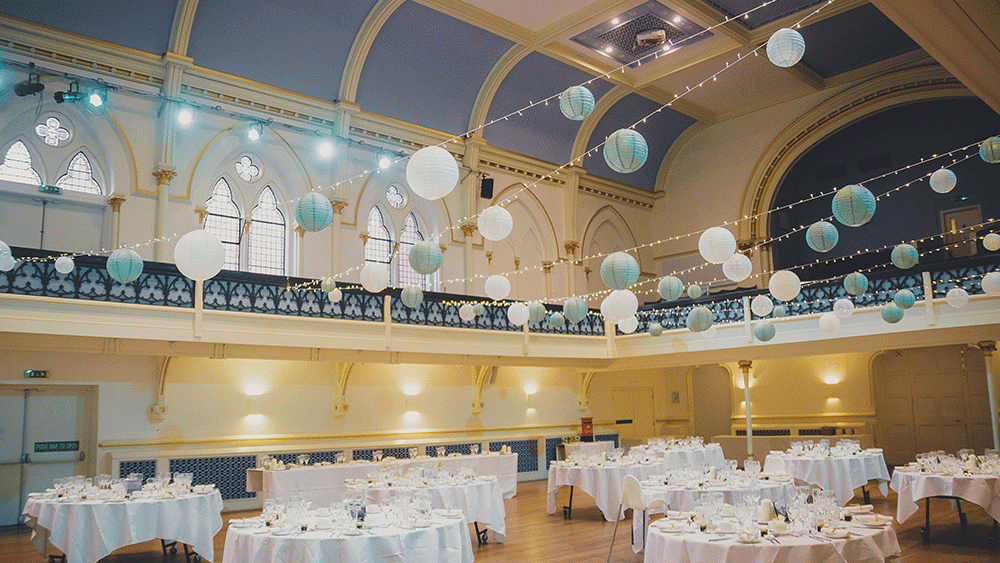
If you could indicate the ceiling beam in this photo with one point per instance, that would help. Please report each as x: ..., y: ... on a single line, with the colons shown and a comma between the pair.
x: 362, y: 44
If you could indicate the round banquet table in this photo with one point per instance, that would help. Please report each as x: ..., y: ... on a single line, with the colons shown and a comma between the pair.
x: 912, y: 486
x: 603, y: 482
x: 89, y: 530
x: 840, y: 474
x: 687, y: 457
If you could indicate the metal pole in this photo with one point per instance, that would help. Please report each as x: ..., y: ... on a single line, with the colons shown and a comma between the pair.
x: 988, y: 347
x: 24, y: 453
x: 745, y: 366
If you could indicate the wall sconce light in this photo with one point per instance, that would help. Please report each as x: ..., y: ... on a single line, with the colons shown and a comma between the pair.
x: 255, y: 416
x: 383, y: 159
x: 530, y: 388
x: 411, y: 388
x: 411, y: 417
x: 97, y: 100
x: 185, y: 115
x: 831, y: 379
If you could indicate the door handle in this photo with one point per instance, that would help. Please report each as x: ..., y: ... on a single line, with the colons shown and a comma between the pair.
x: 27, y: 459
x: 82, y: 456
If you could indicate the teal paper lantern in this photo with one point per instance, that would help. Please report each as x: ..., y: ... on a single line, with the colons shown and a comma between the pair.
x: 904, y: 256
x: 412, y: 296
x: 625, y: 151
x: 314, y: 212
x: 764, y: 330
x: 478, y: 309
x: 425, y: 257
x: 856, y: 283
x: 853, y: 205
x: 822, y: 236
x: 575, y: 309
x: 670, y: 288
x: 619, y: 270
x: 779, y: 311
x: 557, y: 320
x: 699, y: 319
x: 655, y: 329
x: 904, y: 299
x: 891, y: 313
x: 536, y: 312
x: 695, y: 291
x: 989, y: 150
x: 576, y: 102
x: 124, y: 265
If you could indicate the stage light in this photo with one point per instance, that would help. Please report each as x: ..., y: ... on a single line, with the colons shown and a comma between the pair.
x: 325, y: 149
x: 31, y: 86
x: 97, y: 101
x: 72, y: 95
x: 384, y: 160
x: 185, y: 115
x: 255, y: 131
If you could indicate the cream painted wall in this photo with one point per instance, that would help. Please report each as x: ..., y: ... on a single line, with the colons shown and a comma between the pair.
x: 664, y: 382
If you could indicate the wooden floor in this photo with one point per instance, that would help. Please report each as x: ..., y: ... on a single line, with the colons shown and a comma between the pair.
x: 533, y: 535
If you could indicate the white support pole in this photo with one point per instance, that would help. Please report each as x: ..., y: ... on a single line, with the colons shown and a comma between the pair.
x: 745, y: 366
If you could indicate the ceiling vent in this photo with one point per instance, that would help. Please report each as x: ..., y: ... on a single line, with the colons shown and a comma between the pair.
x: 640, y: 31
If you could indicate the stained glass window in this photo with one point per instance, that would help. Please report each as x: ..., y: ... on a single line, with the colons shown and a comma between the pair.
x: 410, y: 235
x: 79, y: 176
x: 379, y: 245
x: 16, y: 166
x: 266, y: 245
x: 223, y: 220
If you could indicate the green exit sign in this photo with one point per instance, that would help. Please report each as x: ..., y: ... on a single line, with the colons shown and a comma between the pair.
x: 35, y: 374
x: 67, y: 446
x: 47, y: 189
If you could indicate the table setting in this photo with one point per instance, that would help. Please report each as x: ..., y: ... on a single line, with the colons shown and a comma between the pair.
x: 840, y: 468
x: 600, y: 476
x: 682, y: 452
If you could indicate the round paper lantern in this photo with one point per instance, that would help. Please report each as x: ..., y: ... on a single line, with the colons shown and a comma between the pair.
x: 517, y: 314
x: 314, y: 212
x: 716, y: 245
x: 699, y: 319
x: 327, y: 285
x: 425, y: 257
x: 335, y: 296
x: 478, y: 309
x: 4, y: 249
x: 557, y: 320
x: 957, y: 297
x: 904, y: 299
x: 412, y: 296
x: 761, y: 305
x: 856, y: 283
x: 655, y: 329
x: 497, y: 287
x: 785, y: 47
x: 904, y: 256
x: 829, y: 321
x: 991, y: 284
x: 536, y: 312
x: 628, y: 324
x: 943, y: 181
x: 784, y: 285
x: 495, y: 223
x: 200, y: 255
x: 779, y: 311
x: 737, y: 268
x: 432, y: 172
x: 843, y: 308
x: 764, y: 330
x: 575, y: 309
x: 625, y: 151
x: 891, y: 313
x: 374, y: 277
x: 124, y: 265
x: 619, y: 270
x: 576, y: 103
x: 822, y: 236
x: 989, y: 150
x: 619, y: 304
x: 466, y: 313
x: 695, y: 291
x: 991, y: 242
x: 65, y: 264
x: 7, y: 262
x: 670, y: 288
x: 710, y: 333
x: 853, y: 205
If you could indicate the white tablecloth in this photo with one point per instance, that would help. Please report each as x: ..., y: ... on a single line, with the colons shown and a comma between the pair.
x: 841, y: 474
x: 325, y: 485
x: 480, y: 501
x: 912, y: 486
x: 577, y: 449
x: 447, y: 540
x: 87, y: 531
x: 604, y: 483
x: 685, y: 457
x: 866, y: 545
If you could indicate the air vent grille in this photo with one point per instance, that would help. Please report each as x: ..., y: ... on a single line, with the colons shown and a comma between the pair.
x: 623, y: 36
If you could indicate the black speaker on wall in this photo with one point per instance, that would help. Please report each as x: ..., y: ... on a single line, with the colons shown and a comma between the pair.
x: 486, y: 188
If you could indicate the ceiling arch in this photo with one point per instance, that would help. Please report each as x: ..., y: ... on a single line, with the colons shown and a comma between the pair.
x: 362, y: 44
x: 492, y: 83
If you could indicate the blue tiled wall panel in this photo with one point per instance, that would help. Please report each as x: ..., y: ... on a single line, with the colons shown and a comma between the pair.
x: 398, y: 453
x: 450, y: 449
x: 550, y: 450
x: 314, y: 457
x: 526, y: 450
x: 228, y: 473
x: 146, y: 467
x: 607, y: 438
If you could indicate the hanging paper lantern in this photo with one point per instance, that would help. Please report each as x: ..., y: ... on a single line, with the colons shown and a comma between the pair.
x: 576, y: 103
x: 64, y: 264
x: 497, y: 287
x: 495, y: 223
x: 628, y: 324
x: 695, y: 291
x: 785, y: 47
x: 991, y: 284
x: 761, y: 305
x: 619, y: 304
x: 432, y: 172
x: 536, y: 312
x: 737, y: 268
x: 904, y: 299
x: 425, y: 257
x: 699, y: 319
x: 466, y: 313
x: 670, y: 288
x: 124, y: 265
x: 7, y: 262
x: 764, y: 330
x: 619, y: 270
x: 843, y: 308
x: 412, y: 296
x: 943, y: 181
x: 989, y: 150
x: 779, y: 311
x: 517, y: 314
x: 716, y: 245
x: 891, y: 313
x: 822, y: 236
x: 478, y: 309
x: 335, y: 296
x: 784, y: 285
x: 853, y: 205
x: 829, y: 321
x: 327, y: 285
x: 991, y: 242
x: 200, y: 255
x: 904, y: 256
x: 856, y: 283
x: 374, y: 277
x: 575, y: 309
x: 957, y: 297
x: 655, y: 329
x: 4, y: 249
x: 625, y: 151
x: 314, y: 212
x: 557, y: 320
x: 710, y: 333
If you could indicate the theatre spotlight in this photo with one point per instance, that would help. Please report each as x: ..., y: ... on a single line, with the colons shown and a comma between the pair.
x: 255, y: 131
x: 72, y: 95
x: 97, y: 101
x: 384, y: 159
x: 30, y: 86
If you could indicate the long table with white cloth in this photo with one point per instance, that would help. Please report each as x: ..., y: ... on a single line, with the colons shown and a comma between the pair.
x: 912, y: 486
x: 603, y: 482
x: 840, y: 474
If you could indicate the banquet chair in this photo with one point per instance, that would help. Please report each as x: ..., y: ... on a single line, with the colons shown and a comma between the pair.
x: 632, y: 498
x: 774, y: 465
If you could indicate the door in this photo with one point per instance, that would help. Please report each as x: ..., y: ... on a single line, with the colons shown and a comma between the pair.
x: 938, y: 400
x: 713, y: 403
x: 633, y: 411
x: 963, y: 242
x: 894, y: 408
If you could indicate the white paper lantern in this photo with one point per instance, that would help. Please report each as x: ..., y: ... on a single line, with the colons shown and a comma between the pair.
x: 709, y: 333
x: 737, y: 268
x: 335, y: 296
x: 200, y: 254
x: 716, y: 245
x: 943, y: 181
x: 856, y: 283
x: 628, y: 324
x: 761, y: 305
x: 843, y: 308
x: 4, y: 249
x: 991, y: 284
x: 495, y: 223
x: 991, y: 242
x: 764, y: 330
x: 466, y: 313
x: 619, y: 270
x: 699, y: 319
x: 670, y: 288
x: 576, y: 102
x: 854, y: 205
x: 432, y: 172
x: 327, y: 285
x: 425, y: 257
x: 517, y: 314
x: 65, y: 264
x: 625, y: 151
x: 655, y: 329
x: 557, y: 320
x: 124, y: 265
x: 7, y: 262
x: 785, y: 47
x: 374, y: 277
x: 784, y: 285
x: 412, y: 296
x: 575, y: 309
x: 695, y: 291
x: 619, y: 304
x: 822, y: 236
x: 497, y: 287
x: 479, y: 309
x: 957, y: 297
x: 536, y: 312
x: 829, y: 322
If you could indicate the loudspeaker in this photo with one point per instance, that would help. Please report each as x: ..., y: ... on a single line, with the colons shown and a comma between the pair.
x: 486, y: 188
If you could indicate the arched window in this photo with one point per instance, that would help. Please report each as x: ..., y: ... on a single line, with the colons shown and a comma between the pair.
x: 79, y: 176
x: 223, y: 220
x: 16, y: 166
x: 409, y: 236
x: 379, y: 245
x: 266, y: 244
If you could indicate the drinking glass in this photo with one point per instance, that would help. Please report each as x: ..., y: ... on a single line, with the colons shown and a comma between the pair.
x: 440, y: 451
x: 377, y: 455
x: 341, y: 457
x: 303, y: 459
x: 473, y: 449
x: 413, y: 452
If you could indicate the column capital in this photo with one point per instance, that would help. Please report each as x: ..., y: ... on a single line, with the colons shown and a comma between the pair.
x: 116, y: 203
x: 364, y: 236
x: 164, y: 175
x: 468, y: 228
x: 571, y: 246
x: 547, y: 266
x: 246, y: 226
x: 201, y: 214
x: 298, y: 229
x: 517, y: 263
x: 745, y: 365
x: 443, y: 247
x: 987, y: 346
x: 338, y: 206
x: 489, y: 256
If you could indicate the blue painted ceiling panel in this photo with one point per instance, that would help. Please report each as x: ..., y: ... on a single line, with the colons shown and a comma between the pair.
x: 542, y: 132
x: 300, y: 46
x: 853, y: 39
x: 772, y: 12
x: 660, y: 131
x: 143, y: 25
x: 426, y: 68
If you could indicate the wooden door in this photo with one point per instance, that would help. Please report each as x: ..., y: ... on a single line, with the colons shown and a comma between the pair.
x: 938, y: 400
x: 713, y: 401
x: 634, y: 412
x: 894, y: 408
x: 980, y: 425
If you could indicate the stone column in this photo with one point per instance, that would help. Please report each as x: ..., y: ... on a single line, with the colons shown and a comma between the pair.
x: 468, y: 229
x: 547, y: 268
x: 115, y: 202
x: 989, y: 347
x: 163, y: 175
x: 300, y: 249
x: 338, y: 208
x: 571, y: 246
x: 745, y: 366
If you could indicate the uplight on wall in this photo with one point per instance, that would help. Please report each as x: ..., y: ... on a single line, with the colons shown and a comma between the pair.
x: 325, y: 149
x: 254, y: 387
x: 411, y: 388
x: 831, y: 379
x: 254, y: 407
x: 530, y: 388
x: 185, y: 115
x: 411, y: 417
x: 832, y: 401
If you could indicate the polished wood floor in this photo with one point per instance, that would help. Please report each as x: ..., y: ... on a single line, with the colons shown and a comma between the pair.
x: 533, y: 535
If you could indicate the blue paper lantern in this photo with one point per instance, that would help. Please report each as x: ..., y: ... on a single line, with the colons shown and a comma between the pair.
x: 619, y: 270
x: 699, y: 319
x: 625, y: 151
x: 670, y: 288
x: 785, y: 47
x: 557, y: 320
x: 891, y: 313
x: 124, y: 265
x: 822, y: 236
x: 764, y: 330
x: 779, y: 311
x: 425, y: 257
x: 576, y: 103
x: 575, y: 309
x: 536, y: 312
x: 478, y: 309
x: 856, y: 283
x: 314, y: 212
x: 853, y: 205
x: 989, y: 150
x: 412, y: 296
x: 904, y: 256
x: 655, y: 329
x: 904, y: 299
